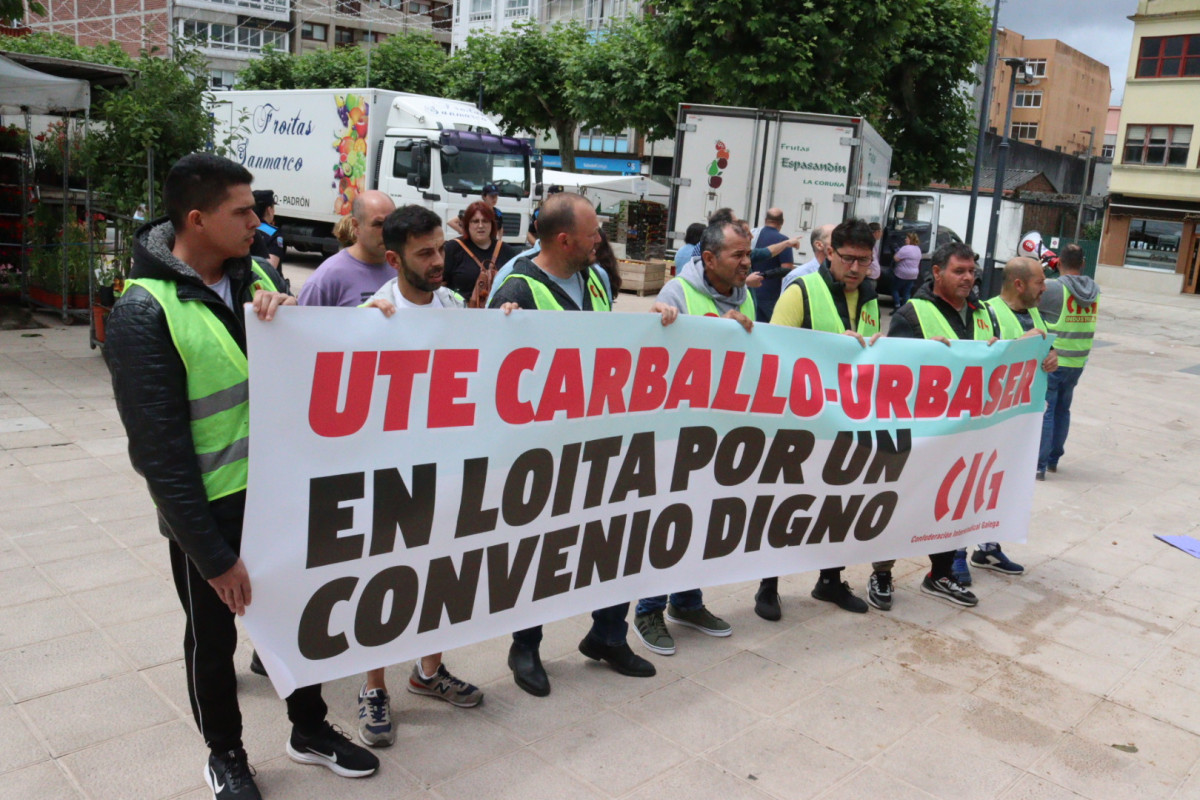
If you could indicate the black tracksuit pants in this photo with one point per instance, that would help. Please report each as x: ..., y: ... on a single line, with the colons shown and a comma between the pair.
x: 209, y: 642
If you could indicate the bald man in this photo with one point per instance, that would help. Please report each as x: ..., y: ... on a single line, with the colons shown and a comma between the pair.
x: 819, y: 239
x: 351, y: 277
x: 773, y: 270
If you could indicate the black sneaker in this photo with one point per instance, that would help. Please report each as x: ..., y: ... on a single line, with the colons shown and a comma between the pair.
x: 838, y: 593
x: 879, y: 590
x: 331, y: 747
x: 948, y: 589
x: 256, y: 665
x: 230, y: 776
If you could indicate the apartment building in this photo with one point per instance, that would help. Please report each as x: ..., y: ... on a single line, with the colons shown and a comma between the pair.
x: 1150, y: 240
x: 231, y: 32
x: 1070, y: 94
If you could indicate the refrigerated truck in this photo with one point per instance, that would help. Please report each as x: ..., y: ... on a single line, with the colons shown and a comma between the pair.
x: 817, y: 168
x: 317, y: 149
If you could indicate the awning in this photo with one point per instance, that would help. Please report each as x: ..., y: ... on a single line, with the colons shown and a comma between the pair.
x: 23, y: 88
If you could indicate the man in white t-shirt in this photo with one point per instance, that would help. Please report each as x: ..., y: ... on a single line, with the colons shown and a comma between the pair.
x: 415, y: 248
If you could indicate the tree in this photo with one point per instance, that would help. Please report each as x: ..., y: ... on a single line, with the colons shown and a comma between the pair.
x: 14, y: 10
x: 522, y: 71
x: 274, y: 69
x: 409, y: 62
x: 620, y: 80
x: 928, y: 116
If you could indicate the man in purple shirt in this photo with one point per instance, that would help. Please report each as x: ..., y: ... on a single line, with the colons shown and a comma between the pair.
x: 351, y: 277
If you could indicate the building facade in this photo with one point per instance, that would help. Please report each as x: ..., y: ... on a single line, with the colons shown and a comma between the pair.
x: 231, y: 32
x: 1069, y: 96
x: 1150, y: 239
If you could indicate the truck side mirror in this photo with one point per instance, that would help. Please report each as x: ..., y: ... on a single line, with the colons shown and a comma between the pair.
x: 537, y: 169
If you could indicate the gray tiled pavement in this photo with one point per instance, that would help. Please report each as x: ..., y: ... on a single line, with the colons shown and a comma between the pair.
x: 1022, y: 697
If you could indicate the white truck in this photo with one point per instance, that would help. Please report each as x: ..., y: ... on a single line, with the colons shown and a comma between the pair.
x: 817, y: 168
x: 941, y: 217
x: 317, y: 149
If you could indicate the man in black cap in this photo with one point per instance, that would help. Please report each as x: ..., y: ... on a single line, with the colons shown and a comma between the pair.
x: 268, y: 241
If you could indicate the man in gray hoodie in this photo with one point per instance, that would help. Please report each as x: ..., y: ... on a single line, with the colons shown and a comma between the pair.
x: 1069, y: 307
x: 712, y: 284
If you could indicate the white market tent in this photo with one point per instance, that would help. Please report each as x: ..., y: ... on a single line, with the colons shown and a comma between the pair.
x: 608, y: 190
x: 27, y: 90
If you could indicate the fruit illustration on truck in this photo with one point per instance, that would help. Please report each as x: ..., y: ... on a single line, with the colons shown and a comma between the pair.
x: 718, y: 165
x: 350, y: 172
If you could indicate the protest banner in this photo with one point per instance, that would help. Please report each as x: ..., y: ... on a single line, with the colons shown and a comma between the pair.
x: 441, y: 477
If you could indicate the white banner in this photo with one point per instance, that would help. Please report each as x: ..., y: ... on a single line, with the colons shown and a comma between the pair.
x: 442, y: 477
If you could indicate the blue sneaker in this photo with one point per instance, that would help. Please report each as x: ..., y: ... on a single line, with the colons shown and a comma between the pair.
x: 959, y: 570
x: 993, y: 558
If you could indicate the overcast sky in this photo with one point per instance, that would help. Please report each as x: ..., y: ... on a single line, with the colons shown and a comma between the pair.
x: 1098, y: 28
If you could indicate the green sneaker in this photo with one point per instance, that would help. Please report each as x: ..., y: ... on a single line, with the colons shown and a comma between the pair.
x: 701, y: 619
x: 651, y: 629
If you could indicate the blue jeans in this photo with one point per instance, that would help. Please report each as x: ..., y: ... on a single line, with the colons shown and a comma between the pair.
x: 902, y: 290
x: 608, y: 626
x: 1060, y: 389
x: 684, y: 601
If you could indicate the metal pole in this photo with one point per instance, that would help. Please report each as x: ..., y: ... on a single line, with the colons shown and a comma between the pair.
x: 989, y: 72
x: 150, y: 182
x: 370, y: 46
x: 998, y: 191
x: 1087, y: 175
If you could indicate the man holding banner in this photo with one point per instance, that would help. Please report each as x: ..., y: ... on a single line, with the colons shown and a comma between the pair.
x: 177, y: 353
x: 944, y: 308
x: 561, y: 277
x: 1017, y: 316
x: 834, y: 299
x: 713, y: 285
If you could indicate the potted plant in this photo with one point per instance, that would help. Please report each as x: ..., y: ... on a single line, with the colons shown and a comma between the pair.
x: 50, y: 239
x: 50, y: 150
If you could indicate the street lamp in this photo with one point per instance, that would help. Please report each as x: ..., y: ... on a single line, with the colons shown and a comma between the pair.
x: 984, y: 110
x: 1087, y: 176
x: 1018, y: 73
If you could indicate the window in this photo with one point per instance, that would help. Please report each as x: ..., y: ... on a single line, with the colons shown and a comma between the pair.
x: 597, y: 142
x: 375, y: 38
x: 1169, y: 57
x: 1024, y: 130
x: 396, y: 4
x: 351, y: 7
x: 516, y: 8
x: 1157, y: 145
x: 1153, y: 243
x: 313, y: 31
x: 481, y: 10
x: 216, y: 36
x: 1028, y: 98
x: 223, y: 78
x: 343, y: 37
x: 418, y: 8
x: 1108, y: 151
x: 1036, y: 67
x: 402, y: 166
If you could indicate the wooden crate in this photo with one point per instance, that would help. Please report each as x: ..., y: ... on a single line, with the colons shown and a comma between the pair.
x: 642, y: 277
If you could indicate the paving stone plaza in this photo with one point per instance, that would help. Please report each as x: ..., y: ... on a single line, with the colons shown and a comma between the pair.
x: 1076, y: 680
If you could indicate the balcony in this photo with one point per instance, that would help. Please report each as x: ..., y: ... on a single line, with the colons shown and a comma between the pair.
x: 268, y: 9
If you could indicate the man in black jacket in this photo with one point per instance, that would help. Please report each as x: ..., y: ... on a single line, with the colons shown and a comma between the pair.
x: 176, y: 347
x: 946, y: 307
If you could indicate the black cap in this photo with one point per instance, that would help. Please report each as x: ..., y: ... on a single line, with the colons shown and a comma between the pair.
x: 555, y: 189
x: 490, y: 188
x: 264, y: 198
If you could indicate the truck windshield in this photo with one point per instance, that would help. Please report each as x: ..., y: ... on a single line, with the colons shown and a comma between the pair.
x: 468, y: 172
x: 484, y: 158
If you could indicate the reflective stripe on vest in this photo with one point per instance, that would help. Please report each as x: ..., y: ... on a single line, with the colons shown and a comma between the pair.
x: 218, y: 384
x: 543, y: 298
x: 1010, y: 326
x: 700, y: 304
x: 1076, y: 327
x: 823, y: 313
x: 933, y: 323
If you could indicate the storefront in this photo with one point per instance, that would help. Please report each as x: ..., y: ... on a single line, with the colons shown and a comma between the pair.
x: 1154, y: 236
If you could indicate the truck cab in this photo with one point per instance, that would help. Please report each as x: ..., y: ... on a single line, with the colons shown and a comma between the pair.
x: 450, y: 170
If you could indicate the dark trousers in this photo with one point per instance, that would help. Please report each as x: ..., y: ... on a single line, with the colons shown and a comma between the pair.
x: 608, y: 626
x: 209, y: 642
x: 940, y: 564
